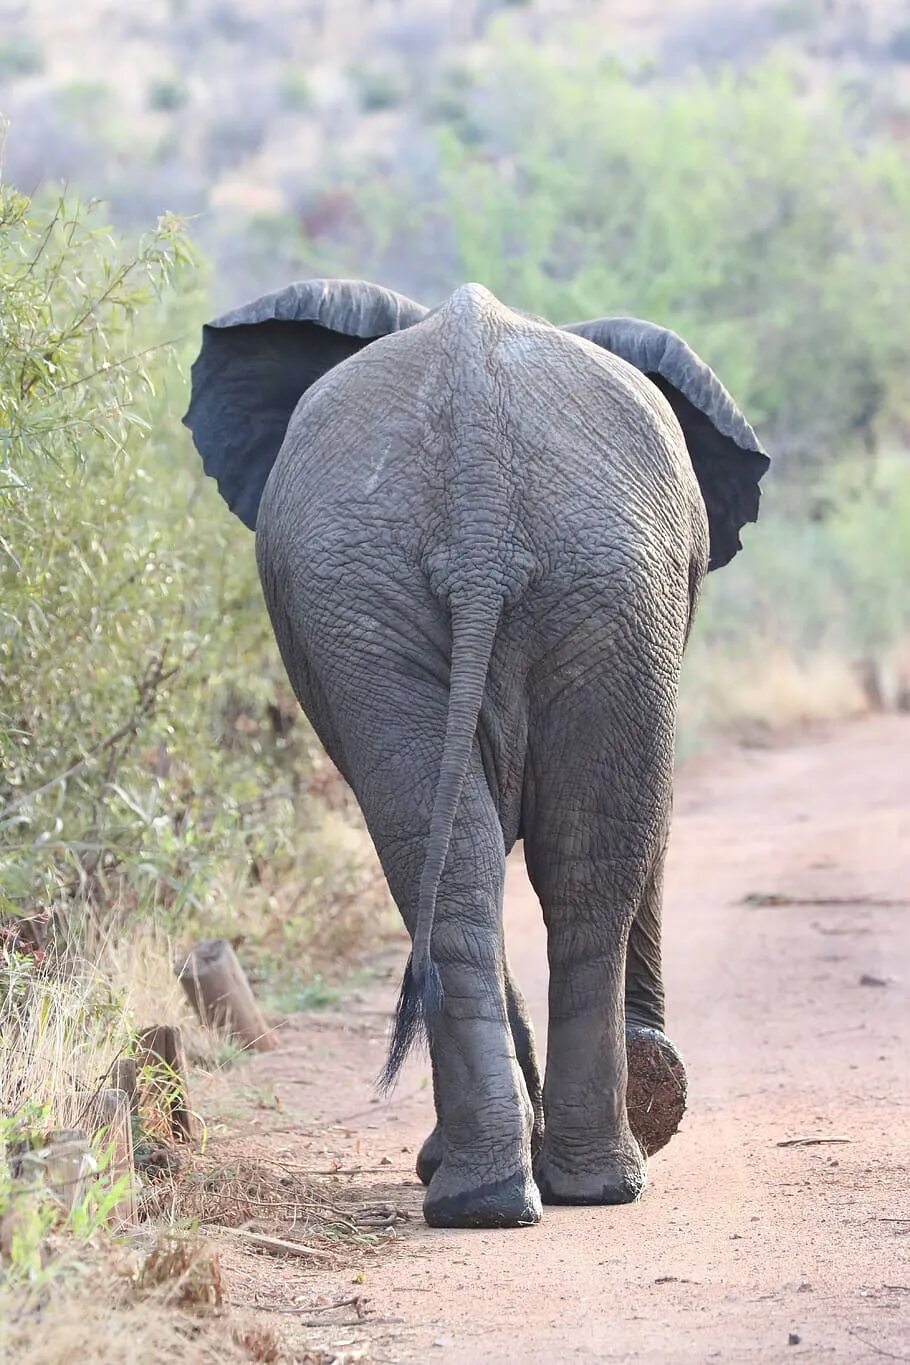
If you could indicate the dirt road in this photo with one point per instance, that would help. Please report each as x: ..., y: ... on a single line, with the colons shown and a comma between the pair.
x: 787, y: 932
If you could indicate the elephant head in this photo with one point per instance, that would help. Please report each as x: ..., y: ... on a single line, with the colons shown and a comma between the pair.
x: 257, y: 361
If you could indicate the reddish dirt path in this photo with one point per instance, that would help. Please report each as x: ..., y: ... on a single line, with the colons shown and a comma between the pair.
x: 738, y: 1242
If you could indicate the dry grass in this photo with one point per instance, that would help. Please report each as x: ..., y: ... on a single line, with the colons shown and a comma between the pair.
x: 90, y: 1295
x: 114, y: 1307
x: 319, y: 915
x: 227, y: 1188
x: 68, y: 1014
x: 729, y: 697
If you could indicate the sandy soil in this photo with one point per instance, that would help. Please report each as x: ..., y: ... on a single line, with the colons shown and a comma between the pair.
x: 793, y: 1014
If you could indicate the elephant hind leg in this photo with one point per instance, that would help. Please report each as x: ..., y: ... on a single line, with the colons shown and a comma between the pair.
x: 656, y: 1090
x: 377, y: 693
x: 429, y: 1158
x: 484, y: 1178
x: 595, y: 817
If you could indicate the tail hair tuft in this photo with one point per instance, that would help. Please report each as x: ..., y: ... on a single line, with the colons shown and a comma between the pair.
x: 420, y: 1003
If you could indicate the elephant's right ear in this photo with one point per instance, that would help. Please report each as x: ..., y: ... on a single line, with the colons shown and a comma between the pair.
x: 257, y: 362
x: 725, y: 452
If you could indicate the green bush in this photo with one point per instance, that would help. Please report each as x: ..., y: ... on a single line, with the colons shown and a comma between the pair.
x: 819, y: 590
x: 150, y: 753
x: 167, y: 94
x: 19, y: 56
x: 296, y: 90
x: 377, y: 88
x: 767, y: 228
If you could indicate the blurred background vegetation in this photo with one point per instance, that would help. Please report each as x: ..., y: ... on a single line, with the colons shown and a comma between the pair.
x: 738, y: 173
x: 151, y: 754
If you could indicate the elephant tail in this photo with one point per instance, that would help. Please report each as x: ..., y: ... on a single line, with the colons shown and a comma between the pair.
x: 474, y: 625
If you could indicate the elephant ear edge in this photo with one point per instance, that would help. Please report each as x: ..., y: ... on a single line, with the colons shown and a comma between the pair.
x: 726, y: 454
x: 257, y: 361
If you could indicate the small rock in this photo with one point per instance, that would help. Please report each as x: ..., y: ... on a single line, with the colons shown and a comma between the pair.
x: 443, y: 1342
x: 867, y: 979
x: 794, y: 1339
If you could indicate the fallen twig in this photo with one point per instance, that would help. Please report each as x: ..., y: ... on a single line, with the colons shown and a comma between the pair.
x: 771, y: 898
x: 879, y: 1350
x: 809, y: 1141
x: 275, y: 1246
x: 354, y: 1322
x: 346, y: 1170
x: 357, y: 1302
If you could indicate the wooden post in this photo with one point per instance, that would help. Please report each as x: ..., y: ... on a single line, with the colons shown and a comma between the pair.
x: 124, y: 1077
x: 217, y: 988
x: 113, y: 1118
x: 161, y: 1049
x: 64, y: 1163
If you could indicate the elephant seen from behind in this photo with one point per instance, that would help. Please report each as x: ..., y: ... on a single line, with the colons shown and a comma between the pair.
x: 481, y: 539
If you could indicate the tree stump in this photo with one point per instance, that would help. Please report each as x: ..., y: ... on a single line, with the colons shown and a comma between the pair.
x: 161, y: 1052
x: 64, y: 1164
x: 124, y: 1077
x: 217, y: 988
x: 113, y: 1118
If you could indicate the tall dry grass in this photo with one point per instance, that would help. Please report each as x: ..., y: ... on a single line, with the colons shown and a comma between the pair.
x: 813, y: 617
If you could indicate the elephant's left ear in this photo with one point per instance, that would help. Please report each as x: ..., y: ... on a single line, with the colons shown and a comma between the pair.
x: 725, y: 452
x: 257, y: 362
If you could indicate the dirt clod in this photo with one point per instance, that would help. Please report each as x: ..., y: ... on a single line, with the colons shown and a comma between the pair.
x: 656, y: 1094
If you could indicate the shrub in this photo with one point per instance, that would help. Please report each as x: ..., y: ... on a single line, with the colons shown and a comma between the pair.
x: 769, y: 230
x: 151, y: 763
x: 818, y: 590
x: 19, y: 56
x: 377, y: 88
x: 296, y: 91
x: 167, y: 94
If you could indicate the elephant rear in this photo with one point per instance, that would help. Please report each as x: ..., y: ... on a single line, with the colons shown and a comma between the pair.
x: 480, y: 539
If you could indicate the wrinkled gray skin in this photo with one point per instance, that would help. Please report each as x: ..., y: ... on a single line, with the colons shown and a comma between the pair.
x: 481, y: 545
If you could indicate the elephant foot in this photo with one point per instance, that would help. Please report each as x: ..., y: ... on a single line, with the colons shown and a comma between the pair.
x: 510, y: 1203
x: 619, y: 1179
x: 429, y: 1158
x: 656, y: 1093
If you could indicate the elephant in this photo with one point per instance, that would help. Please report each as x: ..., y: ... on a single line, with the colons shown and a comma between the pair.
x: 481, y: 539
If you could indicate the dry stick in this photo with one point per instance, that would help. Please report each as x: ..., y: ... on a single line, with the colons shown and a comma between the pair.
x: 216, y: 986
x: 298, y: 1308
x: 809, y: 1141
x: 361, y: 1322
x: 344, y: 1170
x: 276, y: 1246
x: 879, y: 1350
x: 161, y: 1048
x: 767, y: 899
x: 357, y: 1301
